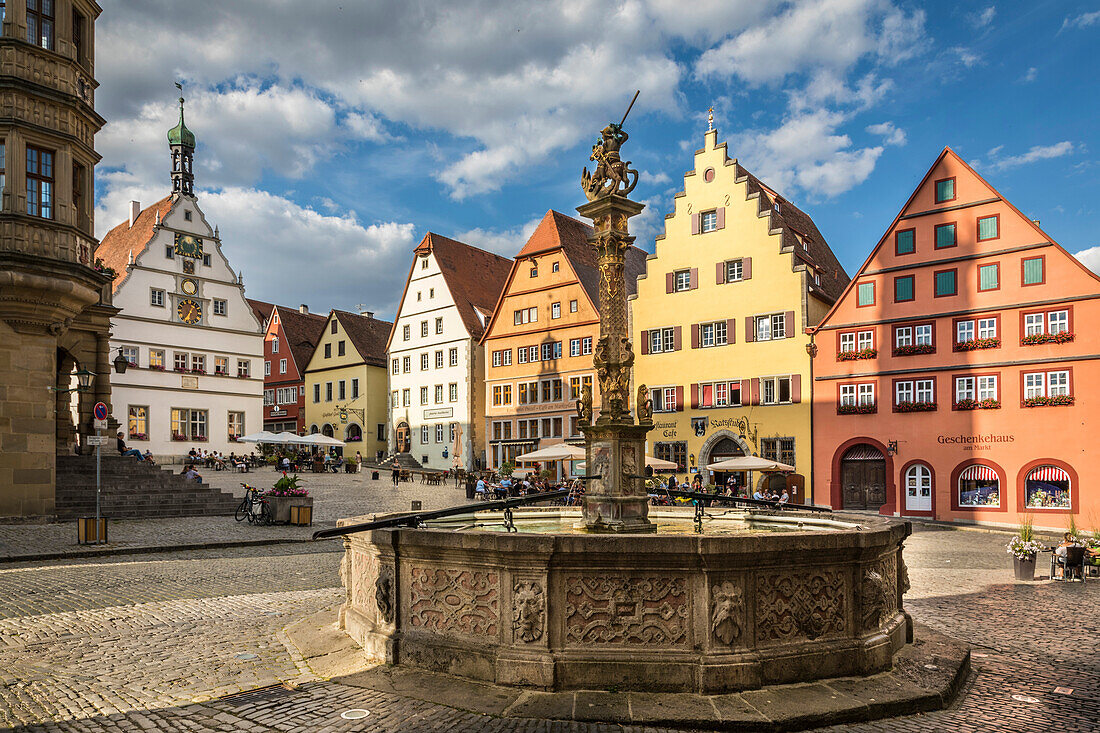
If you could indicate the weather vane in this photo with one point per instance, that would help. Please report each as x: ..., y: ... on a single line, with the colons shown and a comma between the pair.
x: 612, y: 176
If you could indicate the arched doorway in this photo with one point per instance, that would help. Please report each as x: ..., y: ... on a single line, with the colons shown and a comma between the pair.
x: 401, y: 438
x: 863, y: 477
x: 721, y: 446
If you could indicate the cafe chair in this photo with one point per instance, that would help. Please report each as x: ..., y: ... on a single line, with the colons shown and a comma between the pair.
x: 1073, y: 564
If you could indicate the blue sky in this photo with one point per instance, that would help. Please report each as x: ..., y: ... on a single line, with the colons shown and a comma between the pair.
x: 332, y: 138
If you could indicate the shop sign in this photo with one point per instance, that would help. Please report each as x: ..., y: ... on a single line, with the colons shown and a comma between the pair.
x: 975, y: 442
x: 668, y: 428
x: 439, y: 412
x: 699, y: 426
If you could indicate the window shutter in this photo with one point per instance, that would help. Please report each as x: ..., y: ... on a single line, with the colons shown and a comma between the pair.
x: 695, y: 396
x: 645, y: 342
x: 670, y: 282
x: 695, y: 335
x: 790, y: 324
x: 750, y: 332
x: 721, y: 215
x: 694, y: 278
x: 796, y: 388
x: 720, y: 273
x: 731, y: 330
x: 679, y: 399
x: 754, y: 387
x: 746, y: 388
x: 677, y: 336
x: 694, y: 223
x: 655, y: 396
x: 746, y: 268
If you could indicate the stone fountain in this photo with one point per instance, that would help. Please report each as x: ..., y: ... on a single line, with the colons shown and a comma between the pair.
x: 608, y: 597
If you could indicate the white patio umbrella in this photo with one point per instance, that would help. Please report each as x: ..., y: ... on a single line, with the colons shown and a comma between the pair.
x: 317, y: 439
x: 749, y: 463
x: 286, y: 438
x: 261, y: 437
x: 558, y: 452
x: 658, y: 463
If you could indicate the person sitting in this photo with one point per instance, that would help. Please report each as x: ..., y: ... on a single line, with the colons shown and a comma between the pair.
x: 147, y: 456
x: 759, y: 495
x: 191, y: 474
x: 123, y: 451
x: 784, y: 497
x: 480, y: 489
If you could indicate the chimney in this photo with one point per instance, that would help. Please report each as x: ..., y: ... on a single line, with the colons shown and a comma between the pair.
x: 367, y: 314
x: 135, y: 209
x: 303, y: 308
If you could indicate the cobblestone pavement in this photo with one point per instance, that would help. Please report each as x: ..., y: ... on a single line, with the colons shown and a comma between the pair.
x: 150, y: 642
x: 334, y: 496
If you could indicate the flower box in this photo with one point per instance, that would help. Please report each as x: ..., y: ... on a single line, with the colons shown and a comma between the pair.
x: 913, y: 349
x: 198, y: 371
x: 198, y: 438
x: 234, y: 438
x: 915, y: 407
x: 856, y: 409
x: 138, y: 436
x: 280, y: 505
x: 178, y: 437
x: 182, y: 370
x: 976, y: 344
x: 857, y: 355
x: 977, y: 405
x: 355, y: 439
x: 1045, y: 338
x: 220, y: 373
x: 1062, y: 399
x: 157, y: 367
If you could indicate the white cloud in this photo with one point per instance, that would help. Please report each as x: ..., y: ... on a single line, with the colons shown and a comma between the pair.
x: 965, y: 56
x: 1081, y: 21
x: 1090, y: 258
x: 1031, y: 75
x: 891, y: 135
x: 1034, y: 153
x: 505, y: 242
x: 983, y: 18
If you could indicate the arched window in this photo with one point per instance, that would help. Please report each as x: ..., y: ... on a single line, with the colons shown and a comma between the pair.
x: 353, y: 434
x: 327, y: 430
x: 979, y: 486
x: 918, y: 482
x: 313, y: 429
x: 1047, y: 487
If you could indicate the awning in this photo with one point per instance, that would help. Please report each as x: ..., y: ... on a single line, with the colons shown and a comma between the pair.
x: 1047, y: 473
x: 863, y: 452
x: 519, y: 442
x: 555, y: 452
x: 978, y: 473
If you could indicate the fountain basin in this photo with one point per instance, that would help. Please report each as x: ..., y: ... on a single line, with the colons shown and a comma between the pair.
x: 759, y: 601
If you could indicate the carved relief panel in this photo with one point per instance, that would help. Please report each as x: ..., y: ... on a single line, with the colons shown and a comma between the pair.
x: 528, y: 611
x: 801, y: 604
x: 454, y: 601
x: 878, y: 592
x: 624, y: 611
x: 727, y: 613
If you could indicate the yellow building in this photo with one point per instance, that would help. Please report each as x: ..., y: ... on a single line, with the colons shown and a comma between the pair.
x: 718, y: 321
x: 347, y: 392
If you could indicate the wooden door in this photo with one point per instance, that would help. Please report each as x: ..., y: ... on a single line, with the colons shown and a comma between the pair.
x: 851, y: 481
x: 876, y: 483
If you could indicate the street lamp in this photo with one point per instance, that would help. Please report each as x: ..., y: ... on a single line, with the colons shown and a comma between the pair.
x: 84, y: 380
x: 121, y: 362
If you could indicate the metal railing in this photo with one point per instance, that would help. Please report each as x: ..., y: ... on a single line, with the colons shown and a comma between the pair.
x: 701, y: 496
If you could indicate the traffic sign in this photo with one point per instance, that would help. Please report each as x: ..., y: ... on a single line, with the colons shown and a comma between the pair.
x: 100, y: 411
x: 99, y: 440
x: 99, y: 424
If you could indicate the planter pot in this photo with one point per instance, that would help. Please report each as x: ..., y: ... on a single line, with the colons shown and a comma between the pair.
x: 1023, y: 567
x: 280, y: 505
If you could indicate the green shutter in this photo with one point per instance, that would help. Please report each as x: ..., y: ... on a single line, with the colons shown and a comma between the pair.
x: 905, y: 242
x: 903, y: 288
x: 987, y: 228
x: 988, y: 277
x: 945, y: 283
x: 945, y: 235
x: 945, y: 190
x: 1033, y: 271
x: 866, y: 294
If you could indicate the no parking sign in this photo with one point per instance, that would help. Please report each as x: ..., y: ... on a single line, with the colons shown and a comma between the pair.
x: 99, y: 412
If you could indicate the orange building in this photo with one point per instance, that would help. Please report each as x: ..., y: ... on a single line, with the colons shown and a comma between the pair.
x: 952, y: 377
x: 538, y: 344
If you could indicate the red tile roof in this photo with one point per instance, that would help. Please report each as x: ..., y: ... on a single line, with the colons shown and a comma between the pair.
x: 302, y: 332
x: 368, y: 336
x: 474, y: 276
x: 262, y: 310
x: 122, y: 241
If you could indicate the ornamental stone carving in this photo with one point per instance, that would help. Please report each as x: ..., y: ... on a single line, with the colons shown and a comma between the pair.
x: 903, y: 575
x: 364, y: 571
x: 618, y: 611
x: 528, y: 610
x: 792, y: 605
x: 873, y: 598
x: 383, y: 594
x: 454, y: 601
x: 727, y: 612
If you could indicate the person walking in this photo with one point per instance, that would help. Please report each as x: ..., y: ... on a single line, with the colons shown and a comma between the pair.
x: 396, y: 474
x: 358, y: 462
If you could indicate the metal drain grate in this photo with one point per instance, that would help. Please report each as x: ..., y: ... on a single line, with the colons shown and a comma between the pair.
x: 260, y: 694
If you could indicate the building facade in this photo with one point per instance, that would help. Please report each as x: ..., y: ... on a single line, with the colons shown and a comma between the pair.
x: 194, y: 344
x: 718, y: 322
x: 290, y: 338
x: 346, y: 392
x: 437, y: 387
x: 539, y: 343
x: 55, y: 303
x: 952, y: 377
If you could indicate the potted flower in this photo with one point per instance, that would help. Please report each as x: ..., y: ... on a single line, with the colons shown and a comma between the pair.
x: 138, y: 436
x: 912, y: 349
x: 157, y: 367
x: 1023, y: 548
x: 285, y: 494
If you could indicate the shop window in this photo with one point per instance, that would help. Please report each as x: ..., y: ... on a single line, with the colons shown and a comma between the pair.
x: 979, y: 486
x: 675, y: 452
x: 778, y: 449
x: 1048, y: 487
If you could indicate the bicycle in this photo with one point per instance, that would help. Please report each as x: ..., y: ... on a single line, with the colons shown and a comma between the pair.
x: 254, y: 507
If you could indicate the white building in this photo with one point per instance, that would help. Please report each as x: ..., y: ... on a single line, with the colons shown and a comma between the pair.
x: 194, y: 344
x: 437, y: 386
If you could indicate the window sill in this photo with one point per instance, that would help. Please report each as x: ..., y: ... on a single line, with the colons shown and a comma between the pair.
x: 1060, y: 401
x: 977, y: 405
x: 978, y: 344
x: 856, y: 409
x: 915, y: 407
x: 857, y: 355
x: 1046, y: 338
x: 914, y: 350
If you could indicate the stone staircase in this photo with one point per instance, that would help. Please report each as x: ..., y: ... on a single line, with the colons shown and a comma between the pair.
x: 132, y: 489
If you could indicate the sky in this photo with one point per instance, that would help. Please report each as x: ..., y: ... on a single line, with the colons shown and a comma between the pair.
x: 332, y: 136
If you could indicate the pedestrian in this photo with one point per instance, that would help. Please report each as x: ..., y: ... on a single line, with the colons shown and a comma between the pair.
x: 396, y: 474
x: 358, y: 462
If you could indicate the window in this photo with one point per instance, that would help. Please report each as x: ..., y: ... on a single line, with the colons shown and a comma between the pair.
x: 720, y: 394
x: 286, y: 395
x: 546, y: 387
x: 244, y: 368
x: 945, y: 283
x: 557, y: 349
x: 964, y: 332
x: 988, y: 228
x: 424, y: 264
x: 393, y: 399
x: 395, y: 366
x: 340, y: 348
x: 1033, y: 273
x: 847, y: 395
x: 910, y: 393
x: 866, y: 393
x: 453, y: 357
x: 438, y: 394
x: 1048, y: 384
x: 555, y: 310
x: 945, y: 190
x: 423, y: 329
x: 661, y: 340
x: 405, y: 333
x: 406, y: 397
x: 3, y: 148
x: 181, y: 361
x: 712, y: 334
x: 918, y: 482
x: 198, y: 363
x: 169, y: 252
x: 406, y: 364
x: 452, y: 392
x: 188, y: 424
x: 905, y: 242
x: 979, y: 486
x: 923, y: 334
x: 989, y: 277
x: 328, y: 351
x: 439, y: 359
x: 904, y: 288
x: 586, y: 345
x: 1047, y: 487
x: 775, y: 390
x: 735, y: 270
x: 708, y: 221
x: 1057, y: 322
x: 769, y: 328
x: 187, y: 216
x: 220, y: 307
x: 667, y: 400
x: 778, y: 449
x: 555, y: 267
x: 221, y: 365
x: 275, y: 345
x: 574, y: 347
x: 156, y: 298
x: 355, y: 388
x: 673, y: 452
x: 497, y: 358
x: 40, y: 23
x: 945, y: 236
x: 521, y: 355
x: 235, y: 421
x: 439, y: 325
x: 572, y: 303
x: 341, y: 390
x: 682, y: 280
x: 39, y: 178
x: 865, y: 294
x: 526, y: 315
x: 78, y: 36
x: 534, y: 270
x: 206, y: 263
x: 131, y: 354
x: 282, y: 366
x: 847, y: 342
x: 269, y: 397
x: 424, y: 434
x: 328, y: 391
x: 424, y: 362
x: 156, y: 358
x: 423, y: 395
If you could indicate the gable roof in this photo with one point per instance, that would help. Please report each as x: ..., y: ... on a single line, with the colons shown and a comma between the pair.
x: 368, y: 335
x: 118, y: 244
x: 262, y: 310
x: 302, y: 332
x: 474, y: 276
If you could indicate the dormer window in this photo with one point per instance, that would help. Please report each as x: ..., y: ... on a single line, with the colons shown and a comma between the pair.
x: 945, y: 190
x: 534, y: 271
x: 187, y: 216
x: 424, y: 264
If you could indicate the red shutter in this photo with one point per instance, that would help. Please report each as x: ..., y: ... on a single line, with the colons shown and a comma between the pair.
x: 754, y: 386
x: 731, y: 330
x: 720, y: 273
x: 796, y: 388
x: 746, y: 392
x: 679, y: 399
x: 694, y: 278
x: 750, y: 332
x: 677, y: 336
x: 721, y: 212
x: 645, y: 342
x: 694, y: 223
x: 695, y: 335
x: 695, y: 396
x: 670, y: 282
x: 746, y: 268
x: 790, y: 324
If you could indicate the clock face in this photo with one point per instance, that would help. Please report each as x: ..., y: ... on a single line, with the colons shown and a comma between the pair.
x: 188, y: 245
x: 189, y: 287
x: 189, y: 311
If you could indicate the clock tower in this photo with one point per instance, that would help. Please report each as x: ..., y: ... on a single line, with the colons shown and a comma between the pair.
x: 181, y: 141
